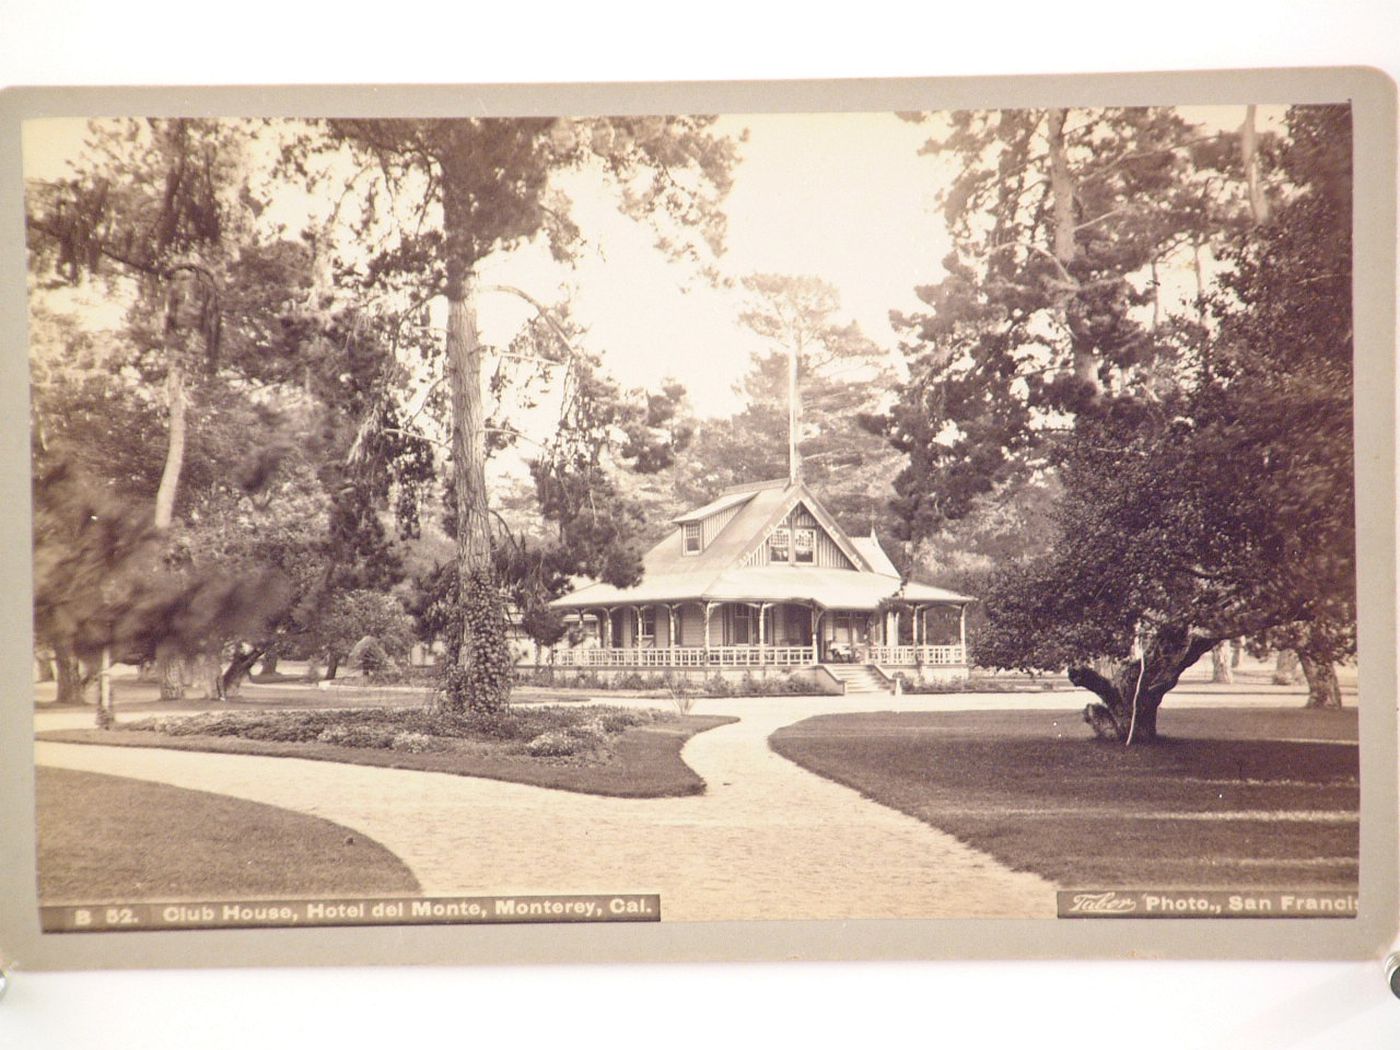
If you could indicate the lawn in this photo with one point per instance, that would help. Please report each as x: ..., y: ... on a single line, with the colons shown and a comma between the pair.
x: 1233, y: 797
x: 594, y: 750
x: 105, y: 838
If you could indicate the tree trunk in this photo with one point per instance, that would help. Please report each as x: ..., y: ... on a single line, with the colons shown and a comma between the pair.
x: 482, y: 681
x: 238, y: 669
x: 1063, y: 245
x: 794, y: 414
x: 269, y: 664
x: 171, y: 664
x: 69, y: 674
x: 175, y: 450
x: 1061, y: 189
x: 172, y: 677
x: 1130, y: 695
x: 44, y: 668
x: 106, y: 718
x: 1287, y: 670
x: 1323, y: 689
x: 204, y: 676
x: 1249, y: 156
x: 332, y: 665
x: 1221, y: 672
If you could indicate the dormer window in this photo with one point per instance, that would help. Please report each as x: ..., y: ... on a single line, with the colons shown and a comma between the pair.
x: 691, y: 541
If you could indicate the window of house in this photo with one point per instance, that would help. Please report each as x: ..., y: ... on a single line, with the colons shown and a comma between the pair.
x: 779, y: 544
x: 691, y: 531
x: 804, y: 546
x: 743, y: 625
x: 646, y: 626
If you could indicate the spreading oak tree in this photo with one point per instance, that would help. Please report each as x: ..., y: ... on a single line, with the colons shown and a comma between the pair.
x: 1175, y: 435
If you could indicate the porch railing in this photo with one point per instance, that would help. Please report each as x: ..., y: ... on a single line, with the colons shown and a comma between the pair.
x: 909, y: 655
x: 690, y: 656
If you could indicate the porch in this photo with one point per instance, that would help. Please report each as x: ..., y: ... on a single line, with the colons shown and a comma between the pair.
x: 712, y: 634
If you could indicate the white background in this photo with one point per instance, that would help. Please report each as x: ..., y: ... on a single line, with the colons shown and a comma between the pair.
x: 1134, y: 1005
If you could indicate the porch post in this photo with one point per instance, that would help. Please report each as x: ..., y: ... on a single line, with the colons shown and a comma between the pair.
x: 608, y: 630
x: 709, y: 609
x: 962, y: 630
x: 762, y: 610
x: 637, y: 627
x: 670, y: 626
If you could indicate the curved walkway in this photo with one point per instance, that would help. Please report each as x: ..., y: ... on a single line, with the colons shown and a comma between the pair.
x: 767, y: 841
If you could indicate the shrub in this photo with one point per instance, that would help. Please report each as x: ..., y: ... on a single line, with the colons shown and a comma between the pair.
x: 631, y: 680
x: 717, y: 685
x: 369, y: 656
x: 357, y: 736
x: 414, y: 742
x: 553, y: 744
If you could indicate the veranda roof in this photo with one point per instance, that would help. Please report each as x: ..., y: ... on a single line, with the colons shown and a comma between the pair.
x: 828, y: 588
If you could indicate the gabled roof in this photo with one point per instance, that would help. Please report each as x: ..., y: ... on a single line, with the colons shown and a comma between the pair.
x: 724, y: 549
x: 717, y: 573
x: 874, y: 554
x: 792, y: 496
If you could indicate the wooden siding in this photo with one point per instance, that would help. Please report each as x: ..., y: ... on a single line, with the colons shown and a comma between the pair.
x: 690, y: 620
x: 828, y: 555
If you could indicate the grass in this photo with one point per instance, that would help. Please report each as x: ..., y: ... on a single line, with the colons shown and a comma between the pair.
x: 1233, y: 797
x: 106, y: 838
x: 594, y: 750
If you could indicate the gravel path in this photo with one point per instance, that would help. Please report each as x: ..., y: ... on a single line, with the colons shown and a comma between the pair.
x: 767, y: 841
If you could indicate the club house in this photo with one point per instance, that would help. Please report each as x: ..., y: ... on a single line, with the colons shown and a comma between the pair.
x: 763, y: 581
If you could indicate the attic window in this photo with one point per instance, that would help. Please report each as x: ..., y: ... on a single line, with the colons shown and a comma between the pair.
x: 691, y: 541
x: 779, y: 543
x: 804, y: 546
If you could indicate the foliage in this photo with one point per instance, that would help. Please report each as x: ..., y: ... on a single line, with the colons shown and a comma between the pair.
x: 840, y: 376
x: 354, y: 615
x: 1194, y: 460
x: 484, y: 186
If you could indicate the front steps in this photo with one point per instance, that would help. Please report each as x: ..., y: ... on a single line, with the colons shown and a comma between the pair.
x: 859, y: 678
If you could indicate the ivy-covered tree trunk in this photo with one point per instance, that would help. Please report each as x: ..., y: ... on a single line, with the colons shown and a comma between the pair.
x: 1130, y: 695
x: 1323, y: 688
x: 480, y: 680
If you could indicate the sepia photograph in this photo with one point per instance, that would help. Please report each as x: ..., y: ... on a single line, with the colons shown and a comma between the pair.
x: 693, y: 517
